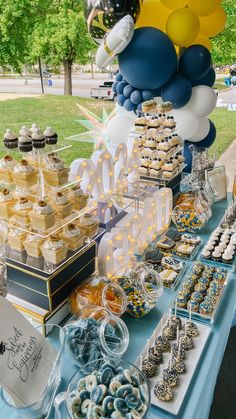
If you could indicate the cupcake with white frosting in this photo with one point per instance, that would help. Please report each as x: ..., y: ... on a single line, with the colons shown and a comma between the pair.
x: 50, y: 136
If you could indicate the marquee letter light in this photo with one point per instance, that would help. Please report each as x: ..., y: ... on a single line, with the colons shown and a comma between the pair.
x: 84, y: 171
x: 120, y: 156
x: 104, y: 185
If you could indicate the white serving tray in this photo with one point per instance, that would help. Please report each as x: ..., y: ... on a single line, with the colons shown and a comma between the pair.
x: 192, y: 359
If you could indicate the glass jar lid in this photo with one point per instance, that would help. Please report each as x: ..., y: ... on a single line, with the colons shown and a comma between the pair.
x: 114, y: 299
x: 114, y: 336
x: 151, y: 282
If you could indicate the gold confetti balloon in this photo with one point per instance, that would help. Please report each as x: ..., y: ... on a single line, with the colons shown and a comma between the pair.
x: 102, y: 15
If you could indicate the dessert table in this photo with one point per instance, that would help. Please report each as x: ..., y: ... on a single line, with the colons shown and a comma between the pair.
x: 199, y: 397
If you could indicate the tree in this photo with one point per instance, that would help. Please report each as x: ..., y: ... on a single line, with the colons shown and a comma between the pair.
x: 224, y: 45
x: 61, y: 37
x: 17, y: 19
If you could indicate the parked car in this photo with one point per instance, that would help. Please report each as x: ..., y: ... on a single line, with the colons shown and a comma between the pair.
x: 104, y: 91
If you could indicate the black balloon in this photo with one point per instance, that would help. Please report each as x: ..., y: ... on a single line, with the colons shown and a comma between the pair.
x: 102, y: 15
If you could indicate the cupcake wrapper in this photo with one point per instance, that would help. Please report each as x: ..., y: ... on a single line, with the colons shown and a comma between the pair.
x: 11, y: 144
x: 39, y: 144
x: 51, y: 141
x: 25, y: 148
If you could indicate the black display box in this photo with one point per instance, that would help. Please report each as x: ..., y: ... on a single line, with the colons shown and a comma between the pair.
x: 47, y: 290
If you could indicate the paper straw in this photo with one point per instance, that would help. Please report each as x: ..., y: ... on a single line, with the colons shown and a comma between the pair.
x: 179, y: 347
x: 177, y: 335
x: 171, y: 357
x: 161, y: 371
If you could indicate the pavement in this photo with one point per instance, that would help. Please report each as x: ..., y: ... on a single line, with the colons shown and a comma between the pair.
x: 82, y: 84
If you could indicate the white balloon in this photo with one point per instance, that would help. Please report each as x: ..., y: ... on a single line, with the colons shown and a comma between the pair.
x: 202, y: 102
x: 115, y: 42
x: 186, y: 123
x: 118, y: 128
x: 202, y: 130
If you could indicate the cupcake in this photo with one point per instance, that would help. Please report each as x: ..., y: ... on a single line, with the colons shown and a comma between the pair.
x: 25, y: 131
x: 42, y: 217
x: 216, y: 255
x: 206, y: 254
x: 7, y: 165
x: 55, y: 172
x: 7, y: 201
x: 78, y: 198
x: 54, y: 250
x: 10, y: 140
x: 25, y: 143
x: 61, y: 205
x: 33, y: 245
x: 88, y: 224
x: 38, y: 139
x: 72, y: 236
x: 33, y: 129
x: 50, y: 136
x: 16, y: 239
x: 227, y: 256
x: 24, y: 175
x: 22, y: 210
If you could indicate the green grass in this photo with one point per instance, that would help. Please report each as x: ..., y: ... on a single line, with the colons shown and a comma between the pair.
x: 225, y: 123
x: 61, y: 113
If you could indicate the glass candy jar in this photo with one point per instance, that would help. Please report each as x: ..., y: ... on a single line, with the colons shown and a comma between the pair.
x: 99, y: 291
x: 95, y: 334
x: 191, y: 212
x: 142, y: 286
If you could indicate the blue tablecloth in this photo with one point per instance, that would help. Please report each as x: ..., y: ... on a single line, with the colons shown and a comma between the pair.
x: 198, y: 399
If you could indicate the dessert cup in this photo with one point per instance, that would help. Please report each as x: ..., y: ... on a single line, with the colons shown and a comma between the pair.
x: 16, y: 239
x: 62, y: 206
x: 7, y: 201
x: 24, y: 175
x: 89, y: 225
x: 78, y: 198
x: 42, y: 217
x: 33, y: 244
x: 72, y: 236
x: 55, y: 172
x: 21, y: 210
x: 7, y: 165
x: 54, y: 250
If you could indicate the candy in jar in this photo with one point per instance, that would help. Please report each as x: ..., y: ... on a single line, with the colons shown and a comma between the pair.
x: 98, y: 291
x: 143, y: 287
x: 95, y: 334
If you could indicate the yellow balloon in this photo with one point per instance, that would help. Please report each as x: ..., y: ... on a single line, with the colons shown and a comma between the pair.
x: 174, y: 4
x: 154, y: 14
x: 182, y: 27
x: 202, y: 40
x: 204, y: 7
x: 214, y: 24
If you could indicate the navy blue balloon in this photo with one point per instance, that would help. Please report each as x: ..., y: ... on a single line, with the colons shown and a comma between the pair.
x: 147, y: 95
x: 188, y: 157
x: 156, y: 92
x: 114, y: 86
x: 209, y: 139
x: 129, y: 106
x: 195, y: 62
x: 120, y: 87
x: 128, y: 90
x: 149, y: 60
x: 119, y: 77
x: 139, y: 107
x: 136, y: 97
x: 208, y: 80
x: 178, y: 91
x: 121, y: 100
